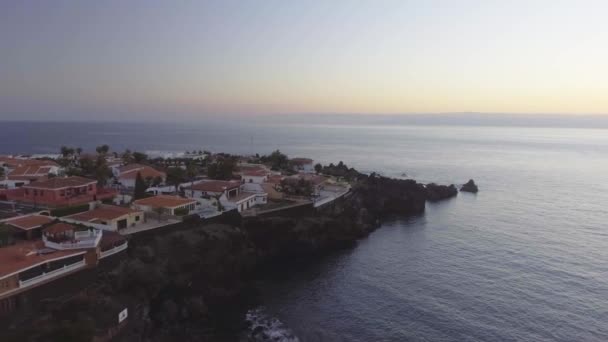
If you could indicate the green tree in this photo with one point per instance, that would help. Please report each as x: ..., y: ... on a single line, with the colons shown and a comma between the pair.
x: 103, y: 149
x: 140, y: 187
x: 277, y: 160
x: 139, y: 157
x: 318, y: 168
x: 127, y: 157
x: 87, y: 165
x: 66, y: 151
x: 176, y: 176
x: 157, y: 181
x: 192, y: 170
x: 102, y: 171
x: 2, y: 172
x: 221, y: 169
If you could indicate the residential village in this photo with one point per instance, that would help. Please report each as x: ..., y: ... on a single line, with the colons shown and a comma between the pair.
x: 63, y: 213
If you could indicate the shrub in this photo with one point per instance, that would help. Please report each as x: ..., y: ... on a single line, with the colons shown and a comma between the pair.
x: 181, y: 211
x: 65, y: 211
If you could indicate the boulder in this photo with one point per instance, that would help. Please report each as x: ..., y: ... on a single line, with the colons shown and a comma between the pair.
x: 470, y: 186
x: 435, y: 192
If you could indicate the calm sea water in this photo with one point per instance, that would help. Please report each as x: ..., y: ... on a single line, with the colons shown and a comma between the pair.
x: 526, y: 259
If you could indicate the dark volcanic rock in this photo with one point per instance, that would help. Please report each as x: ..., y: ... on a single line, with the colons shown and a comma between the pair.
x: 436, y: 192
x: 470, y: 186
x: 387, y: 196
x: 194, y: 283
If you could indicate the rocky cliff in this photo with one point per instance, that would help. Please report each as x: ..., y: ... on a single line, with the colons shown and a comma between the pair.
x: 196, y: 283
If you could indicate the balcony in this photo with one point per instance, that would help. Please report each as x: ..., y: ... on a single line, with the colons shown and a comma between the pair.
x: 82, y: 240
x: 52, y: 274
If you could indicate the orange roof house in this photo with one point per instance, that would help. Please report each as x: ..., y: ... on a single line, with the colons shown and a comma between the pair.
x: 128, y: 173
x: 112, y: 217
x: 61, y: 191
x: 165, y: 202
x: 29, y: 222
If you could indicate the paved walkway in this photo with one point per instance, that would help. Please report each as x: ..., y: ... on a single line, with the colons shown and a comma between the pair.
x: 328, y: 196
x: 150, y: 224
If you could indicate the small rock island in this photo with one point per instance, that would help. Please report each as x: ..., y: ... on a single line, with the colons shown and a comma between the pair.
x: 470, y: 186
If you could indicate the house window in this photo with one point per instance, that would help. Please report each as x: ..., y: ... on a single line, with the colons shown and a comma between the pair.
x: 62, y: 193
x: 35, y: 192
x: 137, y: 218
x: 90, y: 187
x: 41, y: 192
x: 27, y: 192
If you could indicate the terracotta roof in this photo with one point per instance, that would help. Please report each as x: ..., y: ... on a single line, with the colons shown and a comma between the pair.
x: 104, y: 212
x: 256, y: 173
x: 164, y: 201
x: 215, y: 186
x: 17, y: 162
x: 29, y: 222
x: 27, y: 178
x: 130, y: 167
x: 59, y: 227
x: 22, y: 256
x: 59, y: 183
x: 28, y: 172
x: 130, y: 172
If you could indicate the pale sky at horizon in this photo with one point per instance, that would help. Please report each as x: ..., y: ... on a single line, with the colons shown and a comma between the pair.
x: 75, y: 59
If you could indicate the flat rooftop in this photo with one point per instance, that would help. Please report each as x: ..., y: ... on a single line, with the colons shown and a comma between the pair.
x: 29, y: 222
x: 103, y: 213
x: 164, y: 201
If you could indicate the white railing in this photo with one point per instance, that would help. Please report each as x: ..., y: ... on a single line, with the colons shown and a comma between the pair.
x: 52, y: 274
x: 114, y: 250
x: 87, y: 234
x: 97, y: 226
x: 90, y: 242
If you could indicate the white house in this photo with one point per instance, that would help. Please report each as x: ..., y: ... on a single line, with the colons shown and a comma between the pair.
x: 258, y: 176
x: 107, y: 217
x: 249, y: 195
x: 302, y: 165
x: 261, y: 196
x: 212, y: 188
x: 128, y: 174
x: 24, y: 174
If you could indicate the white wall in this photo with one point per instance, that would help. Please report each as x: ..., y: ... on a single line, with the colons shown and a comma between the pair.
x: 254, y: 179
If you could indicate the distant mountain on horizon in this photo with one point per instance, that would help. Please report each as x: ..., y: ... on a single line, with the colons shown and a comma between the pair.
x: 440, y: 119
x: 447, y: 119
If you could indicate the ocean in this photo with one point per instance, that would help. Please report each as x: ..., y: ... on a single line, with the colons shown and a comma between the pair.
x: 525, y: 259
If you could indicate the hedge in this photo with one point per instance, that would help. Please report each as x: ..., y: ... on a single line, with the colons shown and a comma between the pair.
x: 181, y: 211
x: 65, y: 211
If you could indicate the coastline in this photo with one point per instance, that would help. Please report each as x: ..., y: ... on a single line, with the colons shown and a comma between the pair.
x: 198, y: 281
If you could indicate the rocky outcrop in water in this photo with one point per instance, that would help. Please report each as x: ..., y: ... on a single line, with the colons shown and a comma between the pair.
x: 435, y: 192
x: 470, y: 186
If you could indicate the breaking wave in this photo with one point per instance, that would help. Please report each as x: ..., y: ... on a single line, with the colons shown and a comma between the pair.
x: 263, y: 328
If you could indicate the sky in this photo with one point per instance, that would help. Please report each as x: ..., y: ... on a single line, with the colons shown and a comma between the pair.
x: 186, y: 60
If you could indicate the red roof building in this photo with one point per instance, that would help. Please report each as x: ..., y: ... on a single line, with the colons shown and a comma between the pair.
x: 61, y: 191
x: 213, y: 188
